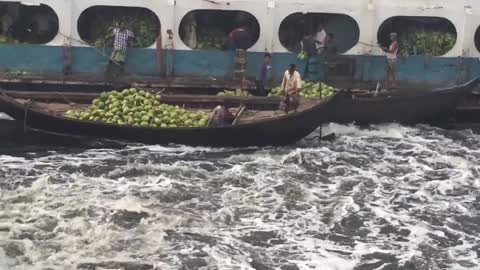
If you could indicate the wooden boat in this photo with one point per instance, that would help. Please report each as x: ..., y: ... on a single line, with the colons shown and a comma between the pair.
x: 261, y: 124
x: 404, y: 106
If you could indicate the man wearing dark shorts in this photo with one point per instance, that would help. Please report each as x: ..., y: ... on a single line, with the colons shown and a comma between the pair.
x: 262, y: 75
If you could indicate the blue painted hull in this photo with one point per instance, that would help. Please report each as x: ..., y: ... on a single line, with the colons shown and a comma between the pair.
x: 49, y: 60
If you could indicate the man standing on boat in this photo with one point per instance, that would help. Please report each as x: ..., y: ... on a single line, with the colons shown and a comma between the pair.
x: 391, y: 53
x: 291, y: 85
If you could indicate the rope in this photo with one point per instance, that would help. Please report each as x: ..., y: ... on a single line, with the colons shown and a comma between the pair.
x: 27, y: 106
x: 64, y: 98
x: 368, y: 44
x: 85, y: 43
x: 95, y: 49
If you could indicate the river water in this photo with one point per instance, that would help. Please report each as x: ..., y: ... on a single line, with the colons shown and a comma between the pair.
x: 386, y: 197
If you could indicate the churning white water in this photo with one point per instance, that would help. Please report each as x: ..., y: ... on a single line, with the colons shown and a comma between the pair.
x: 387, y: 197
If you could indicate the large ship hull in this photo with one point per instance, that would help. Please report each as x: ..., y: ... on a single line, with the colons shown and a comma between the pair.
x: 215, y: 68
x: 359, y: 27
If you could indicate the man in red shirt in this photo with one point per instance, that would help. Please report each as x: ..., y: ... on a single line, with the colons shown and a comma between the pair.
x: 240, y: 38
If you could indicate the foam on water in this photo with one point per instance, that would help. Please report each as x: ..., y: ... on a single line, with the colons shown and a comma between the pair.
x: 387, y: 197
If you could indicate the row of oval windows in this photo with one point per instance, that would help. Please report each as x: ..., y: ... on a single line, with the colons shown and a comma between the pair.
x: 94, y: 21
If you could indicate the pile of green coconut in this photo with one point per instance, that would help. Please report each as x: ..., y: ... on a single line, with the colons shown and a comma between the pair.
x: 138, y: 108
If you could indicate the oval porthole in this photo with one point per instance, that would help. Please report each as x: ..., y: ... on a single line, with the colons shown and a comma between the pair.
x: 477, y: 39
x: 432, y: 36
x: 95, y: 25
x: 297, y: 25
x: 210, y: 29
x: 27, y: 24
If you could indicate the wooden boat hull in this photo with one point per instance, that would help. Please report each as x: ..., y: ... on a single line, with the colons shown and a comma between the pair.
x: 410, y: 107
x: 276, y: 132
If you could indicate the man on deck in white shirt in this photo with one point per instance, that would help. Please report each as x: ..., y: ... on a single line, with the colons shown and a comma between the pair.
x: 320, y: 38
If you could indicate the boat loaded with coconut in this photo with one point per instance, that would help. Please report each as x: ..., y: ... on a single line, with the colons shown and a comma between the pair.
x: 140, y: 116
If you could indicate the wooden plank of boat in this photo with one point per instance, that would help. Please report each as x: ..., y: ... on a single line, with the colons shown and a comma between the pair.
x: 259, y: 125
x: 468, y: 108
x: 198, y: 99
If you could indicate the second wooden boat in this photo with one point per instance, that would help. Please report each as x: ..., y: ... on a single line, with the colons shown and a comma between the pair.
x: 405, y: 106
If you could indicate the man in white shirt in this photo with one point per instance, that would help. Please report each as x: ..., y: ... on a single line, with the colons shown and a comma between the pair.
x: 292, y: 81
x: 190, y: 31
x: 320, y: 38
x: 291, y: 85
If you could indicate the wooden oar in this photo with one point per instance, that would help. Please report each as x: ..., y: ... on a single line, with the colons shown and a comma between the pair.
x: 238, y: 114
x: 328, y: 137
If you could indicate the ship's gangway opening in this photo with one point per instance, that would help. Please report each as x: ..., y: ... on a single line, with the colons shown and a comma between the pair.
x: 27, y: 24
x: 432, y: 36
x: 96, y: 23
x: 297, y: 25
x: 210, y: 29
x: 477, y: 39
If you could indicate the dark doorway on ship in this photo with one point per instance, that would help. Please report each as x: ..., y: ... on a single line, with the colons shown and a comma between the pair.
x: 27, y: 24
x: 298, y: 25
x: 219, y: 29
x: 95, y: 25
x: 432, y: 36
x: 477, y: 39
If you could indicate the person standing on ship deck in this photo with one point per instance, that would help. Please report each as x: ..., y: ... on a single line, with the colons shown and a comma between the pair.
x: 239, y: 38
x: 308, y: 47
x: 320, y: 37
x: 42, y: 25
x: 239, y: 41
x: 263, y: 74
x: 190, y: 31
x: 10, y: 16
x: 330, y: 53
x: 120, y: 45
x: 7, y: 23
x: 291, y: 85
x: 169, y: 50
x: 391, y: 53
